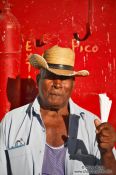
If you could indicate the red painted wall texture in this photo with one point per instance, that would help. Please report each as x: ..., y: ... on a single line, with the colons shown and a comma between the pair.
x: 48, y: 22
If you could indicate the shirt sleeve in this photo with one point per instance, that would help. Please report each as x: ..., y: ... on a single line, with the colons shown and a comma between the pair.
x: 3, y: 162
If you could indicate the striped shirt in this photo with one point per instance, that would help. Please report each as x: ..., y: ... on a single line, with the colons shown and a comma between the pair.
x: 54, y: 160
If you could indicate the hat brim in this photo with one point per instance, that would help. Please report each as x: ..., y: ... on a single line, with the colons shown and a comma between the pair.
x: 39, y: 62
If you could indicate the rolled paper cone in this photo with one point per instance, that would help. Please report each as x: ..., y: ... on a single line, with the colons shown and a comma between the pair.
x: 105, y: 106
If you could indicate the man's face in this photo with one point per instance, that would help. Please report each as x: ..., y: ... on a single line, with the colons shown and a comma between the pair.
x: 54, y: 91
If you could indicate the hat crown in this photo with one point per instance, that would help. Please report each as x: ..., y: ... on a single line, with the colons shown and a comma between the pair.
x: 58, y: 60
x: 59, y: 55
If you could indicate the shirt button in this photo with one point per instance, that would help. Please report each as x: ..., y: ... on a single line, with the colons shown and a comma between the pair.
x: 43, y: 130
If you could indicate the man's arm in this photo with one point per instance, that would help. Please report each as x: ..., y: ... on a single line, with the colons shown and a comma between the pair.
x: 3, y: 163
x: 106, y: 137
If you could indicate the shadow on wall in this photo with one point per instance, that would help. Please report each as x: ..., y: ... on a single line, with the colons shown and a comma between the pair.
x: 21, y: 91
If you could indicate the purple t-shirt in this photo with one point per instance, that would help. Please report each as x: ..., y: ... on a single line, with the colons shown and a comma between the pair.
x: 54, y: 160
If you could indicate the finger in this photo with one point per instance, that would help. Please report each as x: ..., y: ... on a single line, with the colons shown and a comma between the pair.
x: 103, y: 127
x: 108, y: 135
x: 105, y: 139
x: 97, y: 124
x: 105, y: 132
x: 106, y: 146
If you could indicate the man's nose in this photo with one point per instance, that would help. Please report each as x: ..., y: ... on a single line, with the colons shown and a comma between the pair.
x: 57, y: 83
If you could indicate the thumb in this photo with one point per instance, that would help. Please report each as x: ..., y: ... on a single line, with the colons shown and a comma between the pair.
x: 97, y: 123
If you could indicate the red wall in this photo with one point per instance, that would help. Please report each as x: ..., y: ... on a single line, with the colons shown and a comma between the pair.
x: 54, y: 22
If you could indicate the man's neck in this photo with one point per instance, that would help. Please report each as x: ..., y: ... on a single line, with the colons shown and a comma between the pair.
x: 56, y: 123
x: 54, y: 113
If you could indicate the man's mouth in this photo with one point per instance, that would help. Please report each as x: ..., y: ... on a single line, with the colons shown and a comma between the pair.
x: 55, y: 94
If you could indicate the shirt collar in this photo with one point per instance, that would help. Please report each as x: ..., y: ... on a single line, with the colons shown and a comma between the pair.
x: 74, y: 108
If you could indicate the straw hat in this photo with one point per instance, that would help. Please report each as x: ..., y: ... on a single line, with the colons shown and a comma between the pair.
x: 57, y: 60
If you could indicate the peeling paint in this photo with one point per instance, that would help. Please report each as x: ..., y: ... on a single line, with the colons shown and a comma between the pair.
x: 84, y: 60
x: 108, y: 37
x: 72, y: 20
x: 104, y: 24
x: 32, y: 2
x: 114, y: 63
x: 96, y: 28
x: 110, y: 51
x: 102, y: 72
x: 110, y: 67
x: 105, y: 78
x: 102, y: 9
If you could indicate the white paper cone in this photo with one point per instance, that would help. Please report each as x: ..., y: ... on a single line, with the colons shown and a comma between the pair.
x: 105, y: 106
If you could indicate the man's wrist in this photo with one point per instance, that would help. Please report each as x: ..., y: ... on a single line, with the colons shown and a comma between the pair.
x: 108, y: 160
x: 106, y: 151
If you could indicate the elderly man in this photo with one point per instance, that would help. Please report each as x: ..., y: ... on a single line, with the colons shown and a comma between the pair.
x: 53, y: 135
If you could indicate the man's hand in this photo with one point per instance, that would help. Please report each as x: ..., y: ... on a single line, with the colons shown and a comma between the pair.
x: 106, y: 135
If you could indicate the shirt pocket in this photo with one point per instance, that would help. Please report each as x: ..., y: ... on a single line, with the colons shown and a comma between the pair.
x: 20, y: 160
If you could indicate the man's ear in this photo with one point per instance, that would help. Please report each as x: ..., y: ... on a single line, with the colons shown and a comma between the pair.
x: 37, y: 78
x: 73, y: 82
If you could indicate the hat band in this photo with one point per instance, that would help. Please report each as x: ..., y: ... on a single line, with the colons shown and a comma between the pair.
x: 60, y: 66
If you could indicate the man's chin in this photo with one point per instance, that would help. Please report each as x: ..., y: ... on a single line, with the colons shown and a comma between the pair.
x: 54, y: 107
